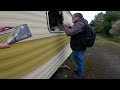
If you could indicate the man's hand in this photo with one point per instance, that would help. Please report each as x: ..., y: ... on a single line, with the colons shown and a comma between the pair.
x: 4, y: 45
x: 67, y: 24
x: 5, y: 28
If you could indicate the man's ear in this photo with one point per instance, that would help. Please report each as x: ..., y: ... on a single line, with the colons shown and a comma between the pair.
x: 78, y: 18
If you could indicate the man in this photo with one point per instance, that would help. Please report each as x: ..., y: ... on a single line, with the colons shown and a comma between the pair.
x: 76, y: 32
x: 4, y: 28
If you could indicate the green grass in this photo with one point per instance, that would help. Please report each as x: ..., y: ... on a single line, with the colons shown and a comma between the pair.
x: 115, y: 38
x: 107, y: 40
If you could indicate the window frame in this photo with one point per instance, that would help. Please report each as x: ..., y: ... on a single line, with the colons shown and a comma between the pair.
x: 48, y: 25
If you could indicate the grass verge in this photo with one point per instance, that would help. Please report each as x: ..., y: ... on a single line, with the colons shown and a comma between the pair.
x: 107, y: 40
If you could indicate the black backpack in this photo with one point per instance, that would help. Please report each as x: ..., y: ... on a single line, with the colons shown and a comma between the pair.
x: 89, y: 36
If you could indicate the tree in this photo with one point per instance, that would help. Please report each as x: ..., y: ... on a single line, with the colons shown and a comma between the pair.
x: 108, y: 18
x: 103, y: 22
x: 98, y: 23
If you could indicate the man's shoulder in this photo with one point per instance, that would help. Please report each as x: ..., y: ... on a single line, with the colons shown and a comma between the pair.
x: 80, y: 23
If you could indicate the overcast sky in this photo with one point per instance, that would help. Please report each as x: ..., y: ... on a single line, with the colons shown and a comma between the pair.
x: 89, y: 15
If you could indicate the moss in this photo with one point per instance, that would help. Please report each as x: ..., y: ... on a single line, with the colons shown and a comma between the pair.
x: 22, y: 58
x: 100, y: 44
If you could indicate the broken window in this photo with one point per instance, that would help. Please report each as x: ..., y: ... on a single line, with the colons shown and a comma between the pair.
x: 55, y: 20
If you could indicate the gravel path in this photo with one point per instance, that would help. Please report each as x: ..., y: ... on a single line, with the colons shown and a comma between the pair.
x: 102, y: 61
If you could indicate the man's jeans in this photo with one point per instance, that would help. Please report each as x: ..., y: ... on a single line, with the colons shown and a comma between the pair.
x: 79, y: 60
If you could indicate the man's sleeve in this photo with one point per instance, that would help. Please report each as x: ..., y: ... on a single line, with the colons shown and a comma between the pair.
x: 77, y: 27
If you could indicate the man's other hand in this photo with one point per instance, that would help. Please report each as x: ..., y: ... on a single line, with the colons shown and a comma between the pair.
x: 5, y: 28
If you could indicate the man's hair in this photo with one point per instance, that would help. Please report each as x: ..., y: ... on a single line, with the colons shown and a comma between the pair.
x: 78, y: 15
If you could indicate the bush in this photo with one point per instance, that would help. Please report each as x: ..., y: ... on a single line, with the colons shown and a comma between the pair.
x: 98, y: 23
x: 116, y: 38
x: 108, y: 18
x: 107, y: 27
x: 103, y: 22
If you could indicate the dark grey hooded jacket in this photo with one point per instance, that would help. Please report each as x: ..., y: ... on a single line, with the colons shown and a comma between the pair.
x: 75, y: 33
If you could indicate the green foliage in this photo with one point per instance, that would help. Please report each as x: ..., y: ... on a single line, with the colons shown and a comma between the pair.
x: 98, y: 23
x: 116, y: 38
x: 108, y: 18
x: 103, y: 22
x: 107, y: 27
x: 99, y: 26
x: 111, y: 16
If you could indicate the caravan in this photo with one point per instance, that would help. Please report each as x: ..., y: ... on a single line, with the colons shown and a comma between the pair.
x: 40, y: 55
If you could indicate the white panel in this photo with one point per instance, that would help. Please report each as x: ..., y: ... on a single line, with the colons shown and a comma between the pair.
x: 36, y: 21
x: 35, y: 13
x: 15, y: 18
x: 23, y: 14
x: 67, y: 17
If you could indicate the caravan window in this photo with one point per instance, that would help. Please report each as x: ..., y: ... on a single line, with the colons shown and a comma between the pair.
x: 55, y: 21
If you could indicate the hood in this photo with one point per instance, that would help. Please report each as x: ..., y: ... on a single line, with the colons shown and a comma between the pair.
x: 84, y: 21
